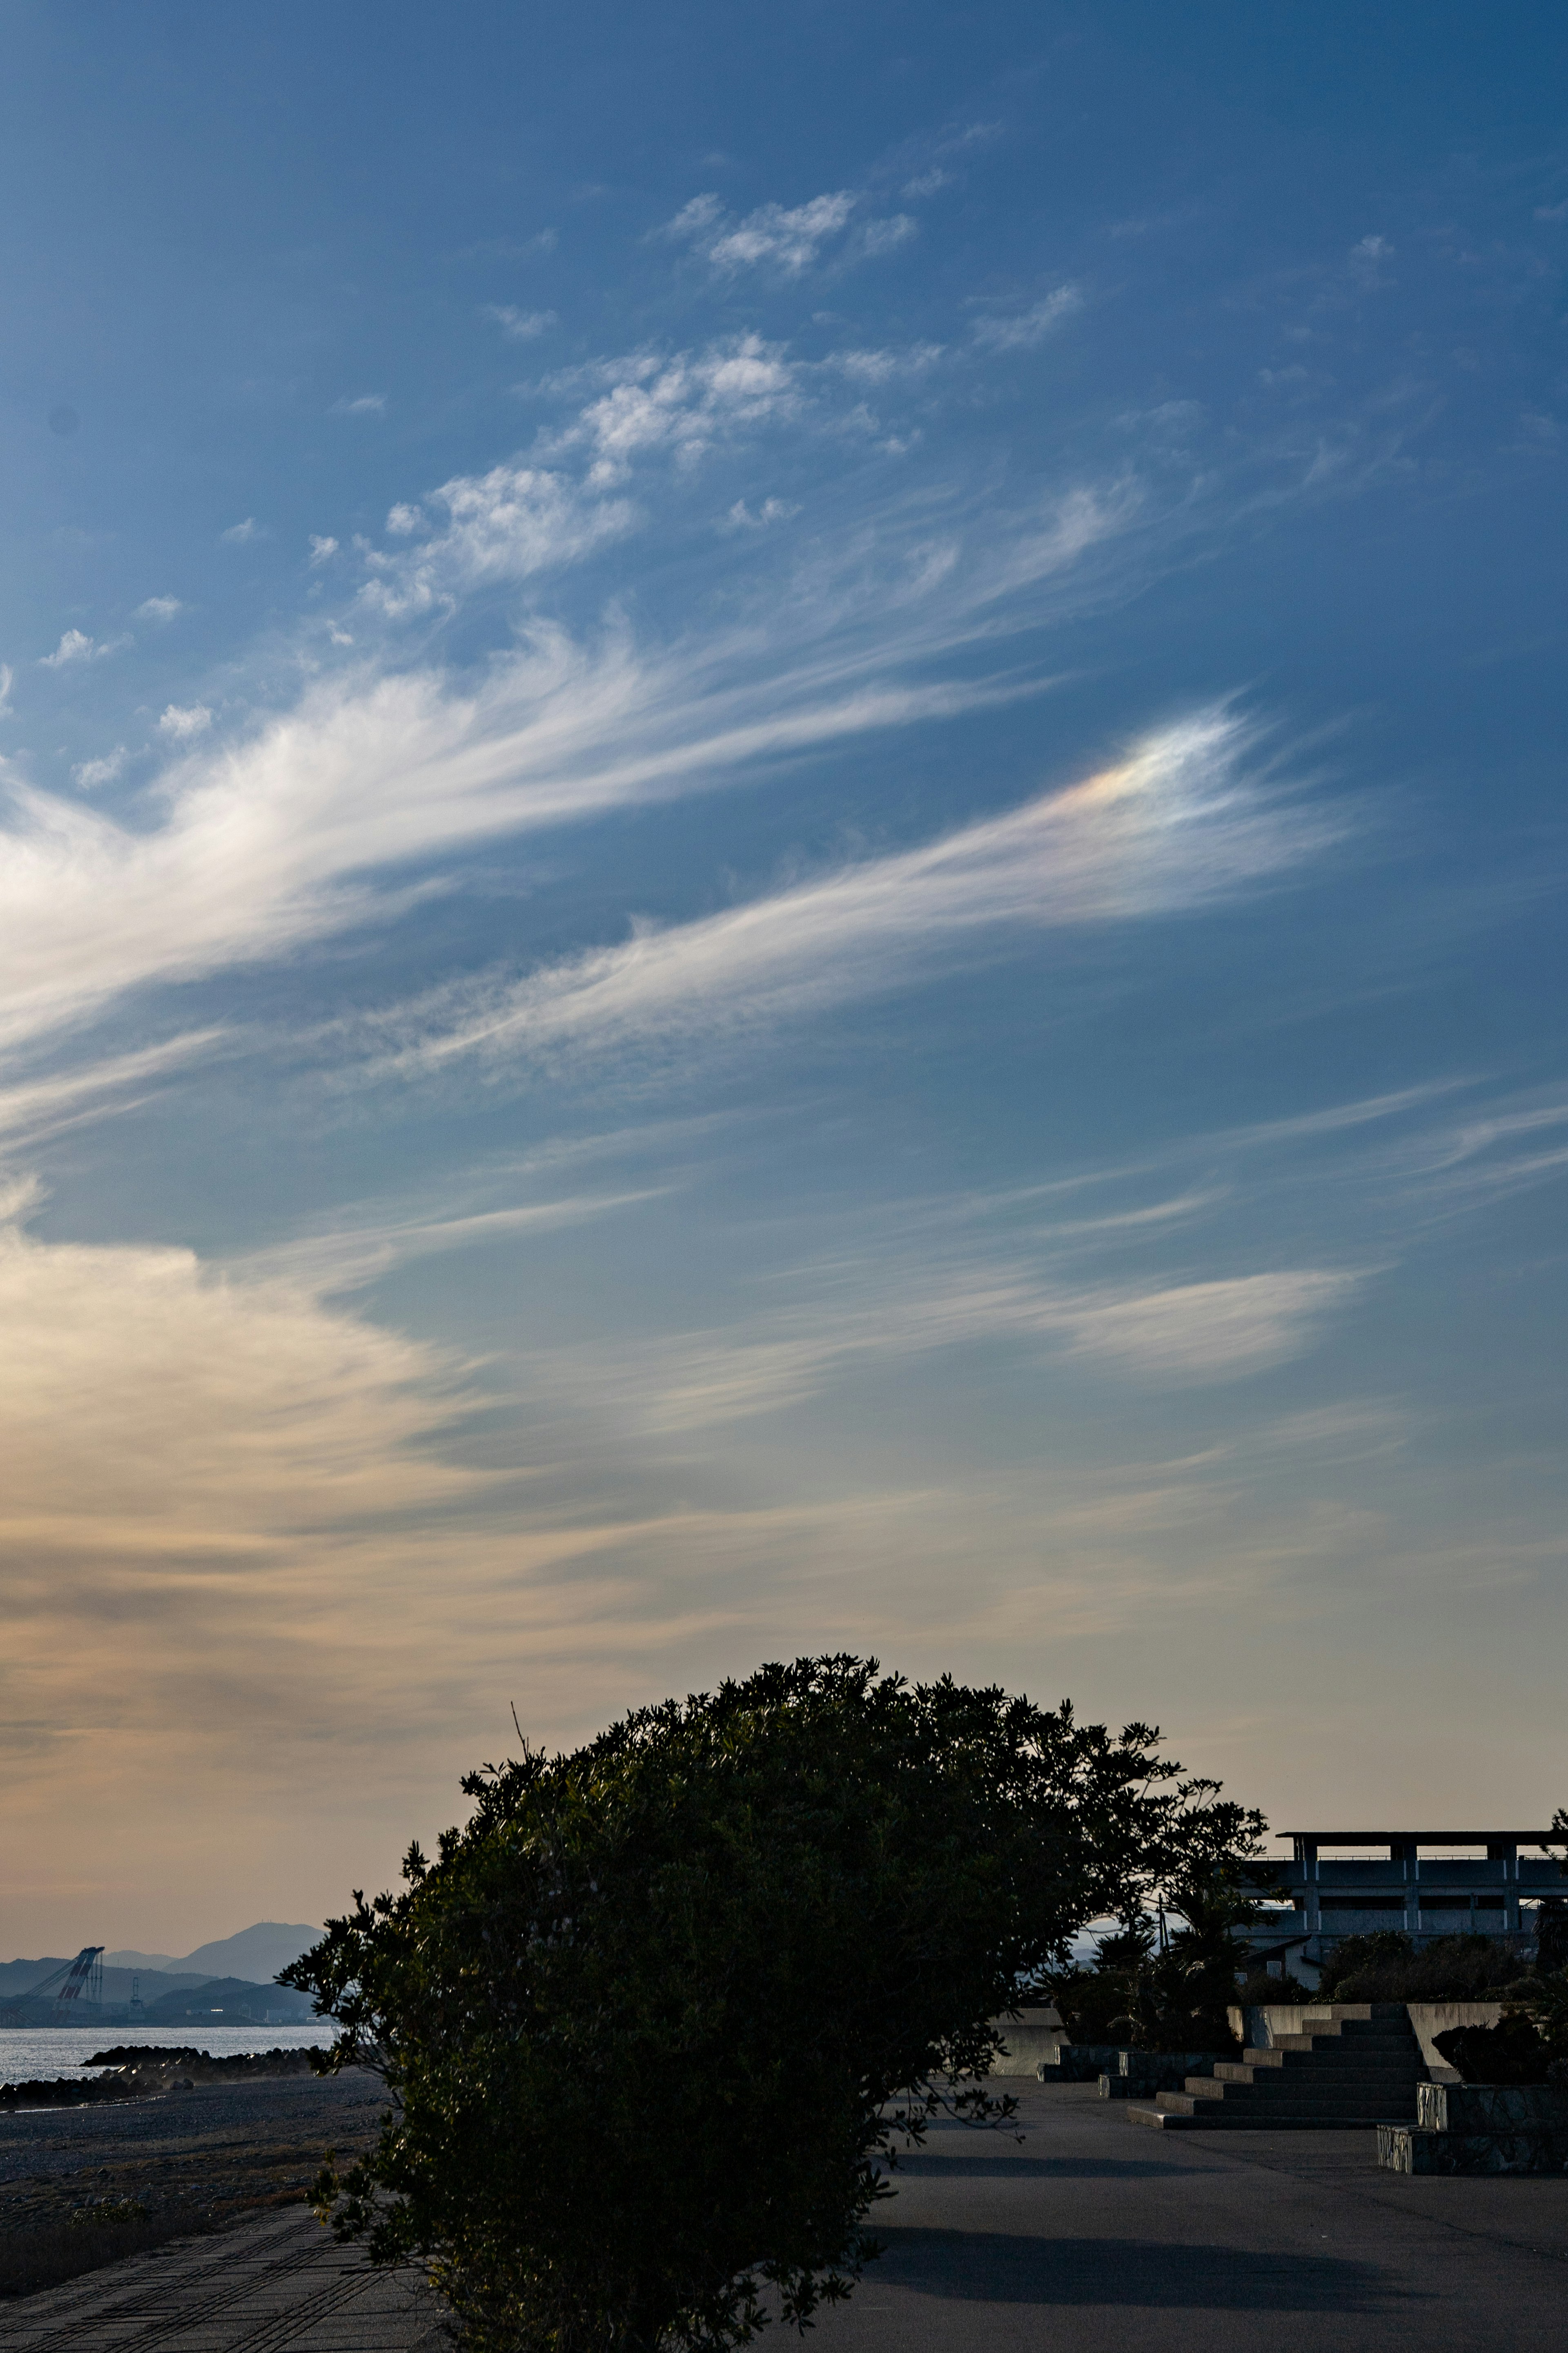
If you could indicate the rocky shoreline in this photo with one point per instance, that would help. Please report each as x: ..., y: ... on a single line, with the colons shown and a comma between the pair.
x: 141, y: 2072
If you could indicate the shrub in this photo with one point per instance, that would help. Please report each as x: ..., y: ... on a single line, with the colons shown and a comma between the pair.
x: 1260, y: 1989
x: 1386, y: 1967
x: 1510, y: 2052
x: 659, y: 2017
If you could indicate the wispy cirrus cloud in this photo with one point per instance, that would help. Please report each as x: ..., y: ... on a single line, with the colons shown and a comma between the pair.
x: 275, y: 840
x: 789, y: 237
x: 1183, y: 822
x: 1018, y: 331
x: 245, y: 853
x: 33, y: 1108
x: 518, y: 326
x: 788, y: 240
x: 882, y: 1309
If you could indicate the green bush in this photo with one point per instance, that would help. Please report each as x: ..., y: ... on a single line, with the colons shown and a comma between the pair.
x: 1386, y: 1967
x: 660, y: 2016
x: 1260, y: 1989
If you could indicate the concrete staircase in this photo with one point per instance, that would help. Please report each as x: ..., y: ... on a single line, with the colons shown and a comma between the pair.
x: 1354, y: 2064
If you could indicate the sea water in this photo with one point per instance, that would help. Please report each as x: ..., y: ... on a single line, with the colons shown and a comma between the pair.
x: 44, y: 2053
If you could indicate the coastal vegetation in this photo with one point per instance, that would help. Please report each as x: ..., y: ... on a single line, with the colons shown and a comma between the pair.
x: 658, y: 2019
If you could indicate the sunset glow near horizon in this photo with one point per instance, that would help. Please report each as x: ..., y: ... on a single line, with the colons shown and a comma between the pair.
x: 781, y: 871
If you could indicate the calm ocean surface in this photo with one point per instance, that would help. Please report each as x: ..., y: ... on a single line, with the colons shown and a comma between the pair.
x: 43, y: 2051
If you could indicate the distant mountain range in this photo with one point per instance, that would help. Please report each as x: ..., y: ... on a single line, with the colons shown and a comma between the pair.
x: 226, y: 2001
x: 255, y: 1953
x: 253, y: 1957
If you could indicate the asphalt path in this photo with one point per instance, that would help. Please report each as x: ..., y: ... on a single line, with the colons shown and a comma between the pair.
x: 1095, y: 2234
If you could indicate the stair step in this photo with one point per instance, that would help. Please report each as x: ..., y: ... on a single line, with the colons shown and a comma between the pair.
x: 1215, y: 2120
x: 1390, y: 2056
x: 1275, y: 2079
x: 1334, y: 2053
x: 1339, y: 2013
x: 1352, y: 2065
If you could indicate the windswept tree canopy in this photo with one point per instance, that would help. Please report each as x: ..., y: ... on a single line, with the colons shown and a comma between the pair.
x: 661, y: 2010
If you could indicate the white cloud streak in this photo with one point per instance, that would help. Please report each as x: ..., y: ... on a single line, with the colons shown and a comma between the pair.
x: 272, y: 842
x: 518, y: 326
x: 787, y: 238
x: 349, y: 1258
x: 32, y: 1108
x: 1180, y: 824
x: 1217, y: 1330
x: 1022, y: 330
x: 243, y: 853
x: 91, y: 774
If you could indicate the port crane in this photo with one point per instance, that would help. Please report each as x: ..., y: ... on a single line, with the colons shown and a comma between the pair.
x: 73, y: 1982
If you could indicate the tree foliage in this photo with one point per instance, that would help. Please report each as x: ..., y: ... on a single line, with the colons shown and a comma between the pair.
x: 660, y: 2014
x: 1173, y: 1992
x: 1386, y: 1966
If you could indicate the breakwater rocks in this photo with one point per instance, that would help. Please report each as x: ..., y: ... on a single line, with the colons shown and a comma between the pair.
x: 142, y: 2072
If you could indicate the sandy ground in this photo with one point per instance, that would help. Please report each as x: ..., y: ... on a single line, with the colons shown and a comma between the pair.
x: 194, y: 2160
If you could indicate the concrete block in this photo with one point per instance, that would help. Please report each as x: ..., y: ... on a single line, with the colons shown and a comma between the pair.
x: 1141, y: 2074
x: 1489, y: 2108
x: 1077, y: 2062
x: 1029, y: 2040
x: 1529, y: 2148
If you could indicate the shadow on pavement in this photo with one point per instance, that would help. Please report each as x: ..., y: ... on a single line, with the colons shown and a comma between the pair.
x: 1001, y: 2267
x: 1058, y: 2168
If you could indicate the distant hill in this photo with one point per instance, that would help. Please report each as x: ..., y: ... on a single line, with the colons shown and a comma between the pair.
x: 227, y: 2001
x: 256, y: 1953
x: 19, y: 1978
x: 252, y: 1958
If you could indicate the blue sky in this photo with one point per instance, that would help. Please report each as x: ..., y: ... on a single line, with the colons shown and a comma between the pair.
x: 782, y: 870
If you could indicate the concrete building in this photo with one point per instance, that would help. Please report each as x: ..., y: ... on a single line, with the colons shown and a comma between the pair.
x: 1423, y: 1884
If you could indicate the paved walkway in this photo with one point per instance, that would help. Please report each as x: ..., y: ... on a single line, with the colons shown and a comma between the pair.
x: 1091, y: 2235
x: 1096, y: 2236
x: 279, y: 2282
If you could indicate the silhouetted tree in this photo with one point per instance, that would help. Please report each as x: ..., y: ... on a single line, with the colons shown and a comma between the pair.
x: 659, y: 2015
